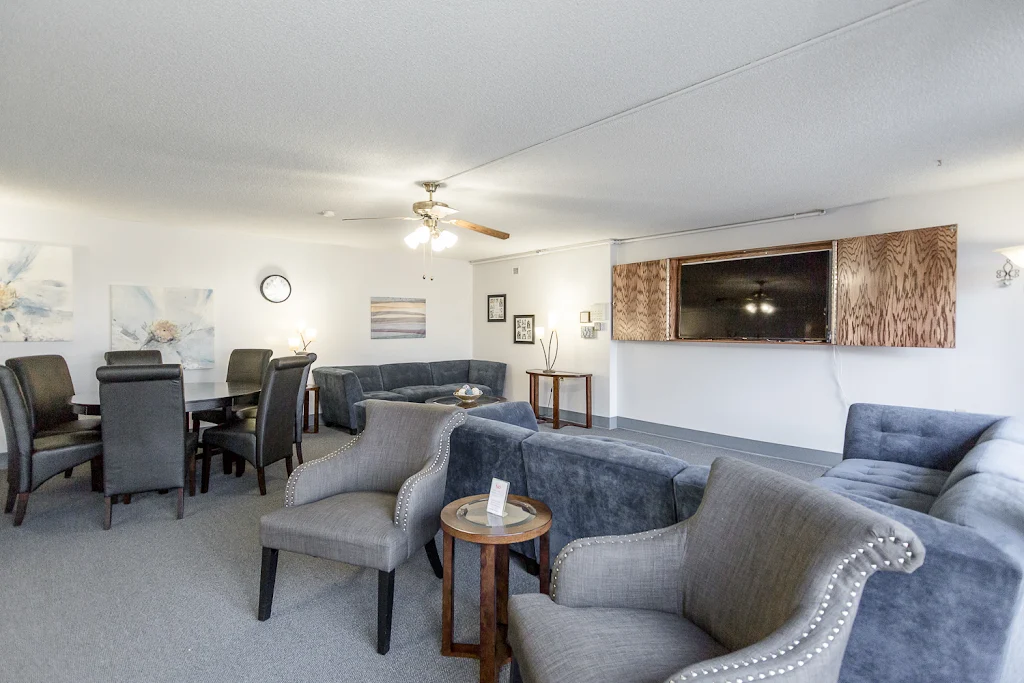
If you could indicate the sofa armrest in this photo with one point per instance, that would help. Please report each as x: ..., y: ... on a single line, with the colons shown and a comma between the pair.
x: 634, y: 571
x: 341, y: 391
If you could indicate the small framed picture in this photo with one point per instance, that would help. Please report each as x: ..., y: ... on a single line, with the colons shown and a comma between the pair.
x: 523, y: 329
x: 584, y: 316
x: 495, y: 308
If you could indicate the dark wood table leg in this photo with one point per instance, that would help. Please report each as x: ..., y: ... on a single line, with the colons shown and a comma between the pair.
x: 501, y: 586
x: 556, y: 423
x: 447, y: 598
x: 316, y: 410
x: 545, y: 564
x: 590, y: 405
x: 488, y: 615
x: 535, y: 395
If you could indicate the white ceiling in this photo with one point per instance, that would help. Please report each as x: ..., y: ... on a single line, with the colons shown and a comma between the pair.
x: 252, y: 115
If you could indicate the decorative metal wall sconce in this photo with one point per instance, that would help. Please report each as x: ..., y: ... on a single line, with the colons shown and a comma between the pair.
x: 1010, y: 272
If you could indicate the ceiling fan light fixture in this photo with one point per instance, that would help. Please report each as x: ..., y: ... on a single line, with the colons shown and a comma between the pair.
x: 412, y: 240
x: 448, y: 238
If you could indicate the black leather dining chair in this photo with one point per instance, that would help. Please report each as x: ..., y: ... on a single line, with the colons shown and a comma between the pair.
x: 32, y: 460
x: 268, y: 437
x: 300, y: 407
x: 146, y: 442
x: 47, y: 386
x: 134, y: 357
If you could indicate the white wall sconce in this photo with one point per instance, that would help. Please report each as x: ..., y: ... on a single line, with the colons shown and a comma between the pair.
x: 1010, y: 272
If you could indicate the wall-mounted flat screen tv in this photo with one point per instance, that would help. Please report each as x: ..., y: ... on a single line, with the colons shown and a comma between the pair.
x: 781, y: 297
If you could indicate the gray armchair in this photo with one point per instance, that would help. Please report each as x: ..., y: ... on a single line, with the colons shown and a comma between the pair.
x: 764, y: 580
x: 371, y: 503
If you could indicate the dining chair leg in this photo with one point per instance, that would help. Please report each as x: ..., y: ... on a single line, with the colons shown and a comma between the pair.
x: 192, y: 474
x: 181, y: 503
x: 206, y: 471
x: 289, y: 465
x: 262, y: 479
x: 239, y: 465
x: 20, y: 505
x: 268, y: 576
x: 108, y: 511
x: 298, y: 451
x: 385, y: 606
x: 435, y: 561
x: 68, y: 472
x: 229, y: 461
x: 96, y: 473
x: 12, y: 493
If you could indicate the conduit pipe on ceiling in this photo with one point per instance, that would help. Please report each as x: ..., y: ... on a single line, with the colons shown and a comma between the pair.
x: 659, y: 236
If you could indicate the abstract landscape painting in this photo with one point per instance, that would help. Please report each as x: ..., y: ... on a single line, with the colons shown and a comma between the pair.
x: 176, y: 320
x: 35, y: 292
x: 397, y: 318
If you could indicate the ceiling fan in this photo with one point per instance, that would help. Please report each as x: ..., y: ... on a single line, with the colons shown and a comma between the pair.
x: 430, y: 213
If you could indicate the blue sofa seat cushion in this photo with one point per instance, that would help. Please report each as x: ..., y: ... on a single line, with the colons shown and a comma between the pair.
x: 893, y: 474
x: 395, y: 375
x: 420, y: 393
x: 626, y: 442
x: 519, y: 413
x: 1009, y: 428
x: 912, y: 500
x: 995, y: 456
x: 383, y: 396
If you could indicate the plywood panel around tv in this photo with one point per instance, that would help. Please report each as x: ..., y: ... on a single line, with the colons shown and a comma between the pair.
x: 897, y: 289
x: 640, y: 301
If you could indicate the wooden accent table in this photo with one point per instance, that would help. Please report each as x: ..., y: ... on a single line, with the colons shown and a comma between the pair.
x: 556, y: 377
x: 493, y: 650
x: 315, y: 390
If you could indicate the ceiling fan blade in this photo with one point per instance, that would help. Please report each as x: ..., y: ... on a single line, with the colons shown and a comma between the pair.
x: 383, y: 218
x: 482, y: 229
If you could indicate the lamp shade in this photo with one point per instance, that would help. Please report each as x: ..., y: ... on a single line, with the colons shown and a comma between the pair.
x: 1015, y: 254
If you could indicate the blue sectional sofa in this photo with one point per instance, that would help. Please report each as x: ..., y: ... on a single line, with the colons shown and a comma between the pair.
x: 956, y: 480
x: 594, y: 485
x: 342, y: 387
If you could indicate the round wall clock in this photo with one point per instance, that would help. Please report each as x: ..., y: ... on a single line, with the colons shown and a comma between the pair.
x: 275, y: 288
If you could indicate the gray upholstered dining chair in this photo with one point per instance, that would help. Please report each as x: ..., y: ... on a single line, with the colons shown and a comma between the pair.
x: 268, y: 437
x: 299, y: 407
x: 371, y: 503
x: 763, y: 581
x: 32, y: 460
x: 146, y: 442
x: 134, y: 357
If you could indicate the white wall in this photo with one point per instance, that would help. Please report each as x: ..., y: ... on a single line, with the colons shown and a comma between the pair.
x: 790, y: 395
x: 331, y: 289
x: 564, y: 283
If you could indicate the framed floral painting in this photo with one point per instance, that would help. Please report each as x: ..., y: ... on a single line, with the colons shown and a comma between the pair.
x: 178, y: 321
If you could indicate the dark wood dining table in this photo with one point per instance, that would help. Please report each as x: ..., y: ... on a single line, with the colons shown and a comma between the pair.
x: 198, y: 396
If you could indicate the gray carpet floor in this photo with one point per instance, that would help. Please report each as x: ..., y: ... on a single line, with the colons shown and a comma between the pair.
x: 157, y: 599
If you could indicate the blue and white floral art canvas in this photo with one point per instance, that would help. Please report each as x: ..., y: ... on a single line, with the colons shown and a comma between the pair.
x: 178, y: 321
x: 35, y: 292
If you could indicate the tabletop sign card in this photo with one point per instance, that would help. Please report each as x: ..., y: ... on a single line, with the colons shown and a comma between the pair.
x: 499, y: 494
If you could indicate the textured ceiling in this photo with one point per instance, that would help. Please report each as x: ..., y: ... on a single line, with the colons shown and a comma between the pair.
x: 248, y: 115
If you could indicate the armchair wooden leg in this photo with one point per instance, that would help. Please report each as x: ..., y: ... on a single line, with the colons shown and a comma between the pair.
x: 289, y: 465
x: 68, y: 472
x: 181, y: 503
x: 435, y: 561
x: 12, y: 493
x: 385, y: 605
x: 262, y: 480
x: 298, y: 451
x: 96, y: 472
x: 268, y: 575
x: 108, y: 511
x: 20, y: 505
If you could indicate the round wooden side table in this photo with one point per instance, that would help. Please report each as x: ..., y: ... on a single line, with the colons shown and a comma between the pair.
x: 467, y: 520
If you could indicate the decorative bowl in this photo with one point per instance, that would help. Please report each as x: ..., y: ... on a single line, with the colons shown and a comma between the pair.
x: 467, y: 399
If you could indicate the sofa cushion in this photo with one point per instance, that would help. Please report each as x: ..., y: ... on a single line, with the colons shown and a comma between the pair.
x: 383, y: 396
x: 450, y: 372
x: 1009, y: 428
x: 490, y: 373
x: 395, y: 375
x: 558, y: 643
x: 626, y: 442
x: 937, y: 439
x: 519, y: 413
x: 893, y: 474
x: 912, y: 500
x: 419, y: 394
x: 369, y: 376
x: 995, y: 456
x: 990, y: 504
